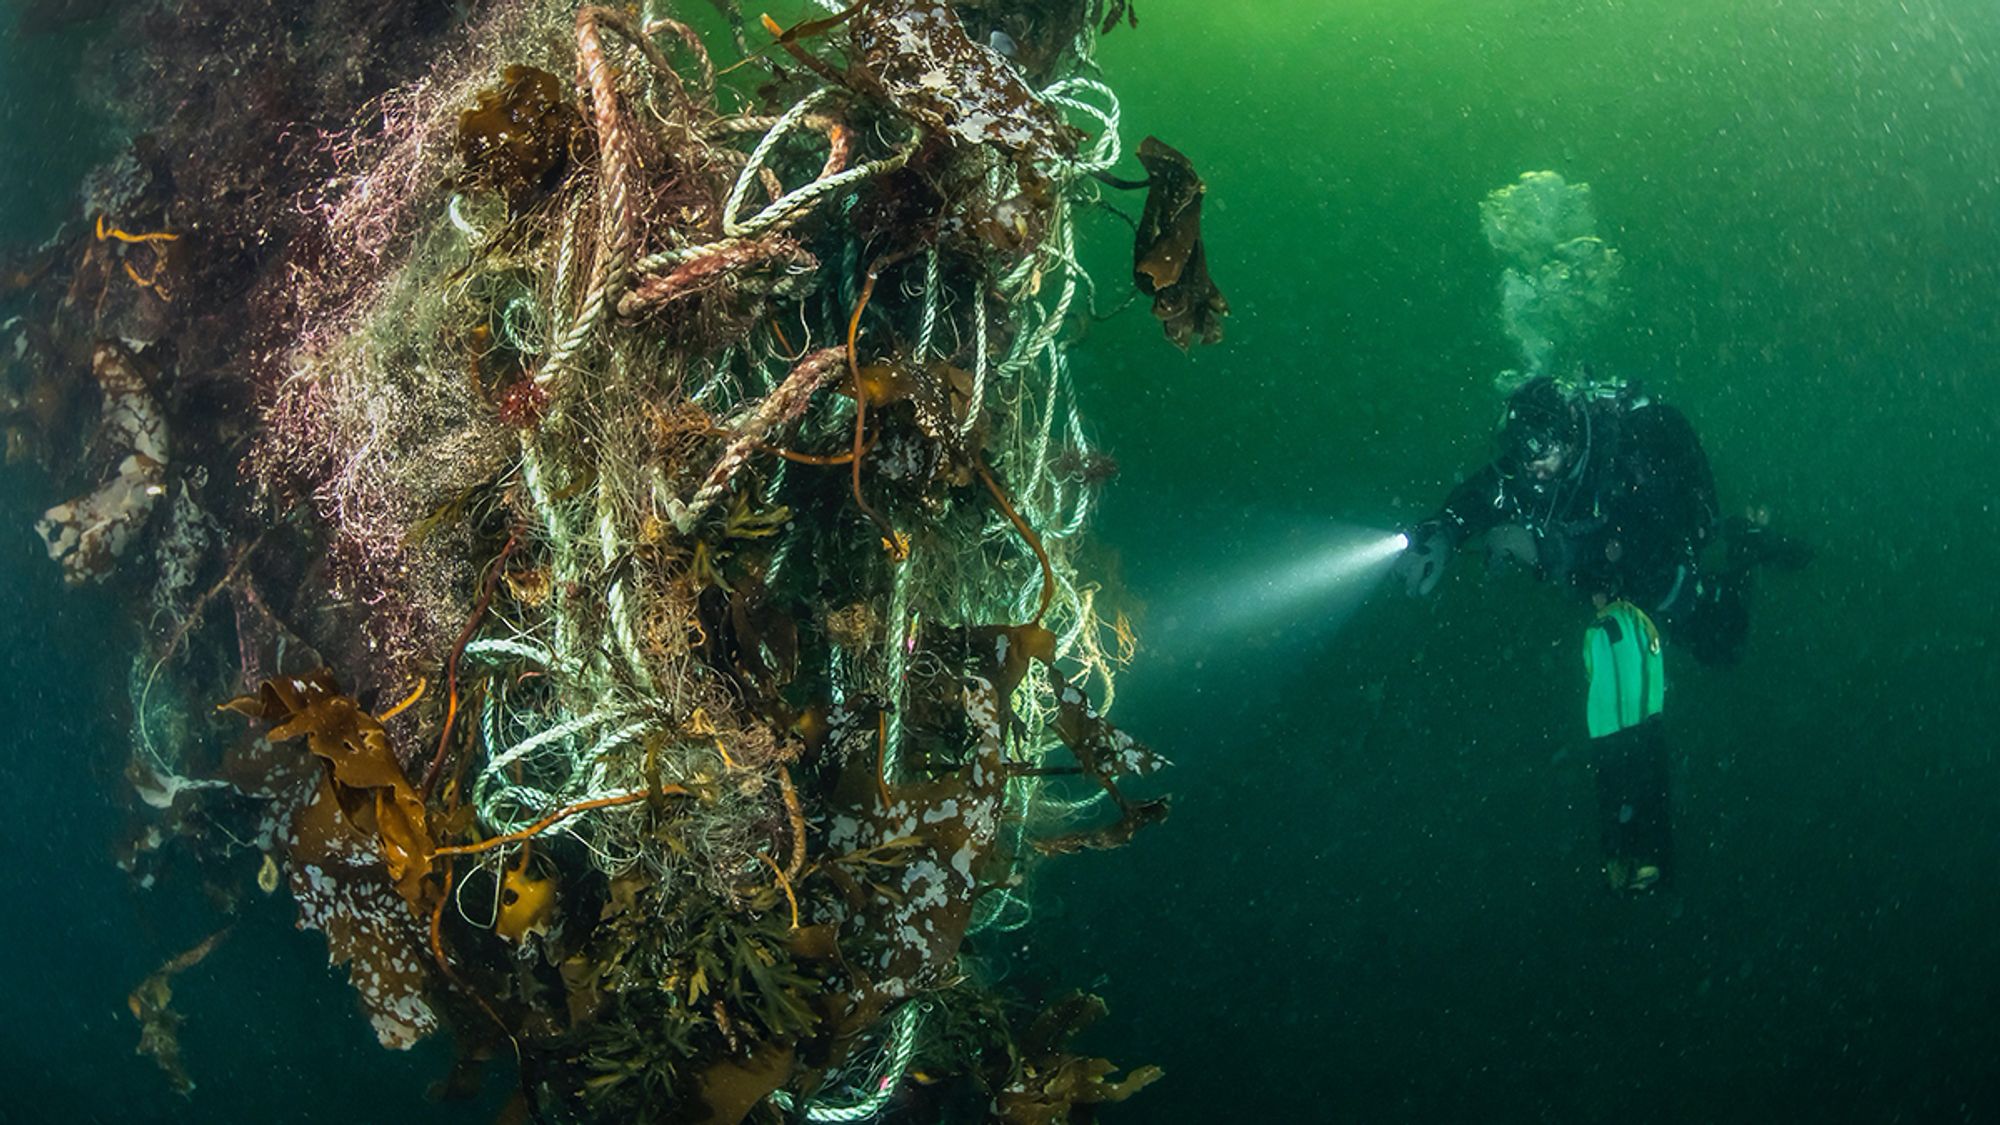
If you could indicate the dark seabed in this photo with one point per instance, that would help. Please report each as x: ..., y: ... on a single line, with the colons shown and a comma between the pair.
x: 1378, y: 897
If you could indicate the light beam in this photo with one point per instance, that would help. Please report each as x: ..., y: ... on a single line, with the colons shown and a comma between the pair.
x: 1311, y: 584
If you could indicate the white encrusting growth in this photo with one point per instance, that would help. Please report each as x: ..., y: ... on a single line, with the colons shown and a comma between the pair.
x: 88, y: 534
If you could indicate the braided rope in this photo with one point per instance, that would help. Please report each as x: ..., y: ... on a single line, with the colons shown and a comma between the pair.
x: 787, y: 402
x: 691, y: 39
x: 980, y: 362
x: 617, y: 223
x: 791, y: 207
x: 786, y: 122
x: 882, y: 1080
x: 1064, y: 255
x: 518, y: 650
x: 897, y: 635
x: 929, y: 323
x: 562, y: 553
x: 534, y: 743
x: 1107, y: 149
x: 597, y: 784
x: 615, y: 595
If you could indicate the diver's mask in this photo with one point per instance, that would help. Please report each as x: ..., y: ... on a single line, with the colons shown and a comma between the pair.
x: 1540, y: 436
x: 1544, y: 461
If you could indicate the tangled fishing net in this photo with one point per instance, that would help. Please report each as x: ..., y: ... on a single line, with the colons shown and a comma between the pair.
x: 685, y: 461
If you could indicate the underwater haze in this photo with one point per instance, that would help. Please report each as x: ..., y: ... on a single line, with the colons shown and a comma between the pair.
x: 1378, y: 898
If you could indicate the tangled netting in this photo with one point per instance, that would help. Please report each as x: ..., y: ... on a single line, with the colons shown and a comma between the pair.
x: 397, y: 411
x: 708, y: 445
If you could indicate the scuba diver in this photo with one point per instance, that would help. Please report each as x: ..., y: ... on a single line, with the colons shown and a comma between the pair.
x: 1608, y: 490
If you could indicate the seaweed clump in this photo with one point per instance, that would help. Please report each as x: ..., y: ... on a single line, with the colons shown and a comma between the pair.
x: 363, y: 784
x: 1170, y: 264
x: 1052, y: 1085
x: 521, y: 137
x: 680, y: 467
x: 159, y: 1025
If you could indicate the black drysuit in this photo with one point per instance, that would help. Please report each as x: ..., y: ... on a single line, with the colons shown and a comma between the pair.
x: 1627, y: 519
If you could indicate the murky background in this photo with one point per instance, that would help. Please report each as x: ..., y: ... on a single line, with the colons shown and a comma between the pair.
x: 1378, y: 897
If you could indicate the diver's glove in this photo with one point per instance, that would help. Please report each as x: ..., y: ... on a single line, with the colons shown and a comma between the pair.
x: 1421, y: 565
x: 1512, y: 543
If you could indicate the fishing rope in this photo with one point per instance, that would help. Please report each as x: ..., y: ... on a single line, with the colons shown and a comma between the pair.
x: 929, y: 325
x: 614, y: 594
x: 1106, y: 150
x: 618, y: 224
x: 788, y: 208
x: 895, y: 662
x: 570, y: 738
x: 979, y: 366
x: 882, y: 1080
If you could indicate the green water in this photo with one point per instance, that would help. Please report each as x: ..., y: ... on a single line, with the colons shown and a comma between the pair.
x: 1378, y: 899
x: 49, y: 143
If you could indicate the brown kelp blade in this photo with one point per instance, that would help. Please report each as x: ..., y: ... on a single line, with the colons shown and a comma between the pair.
x: 374, y: 793
x: 1169, y: 262
x: 1105, y: 754
x: 159, y: 1025
x: 1051, y: 1083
